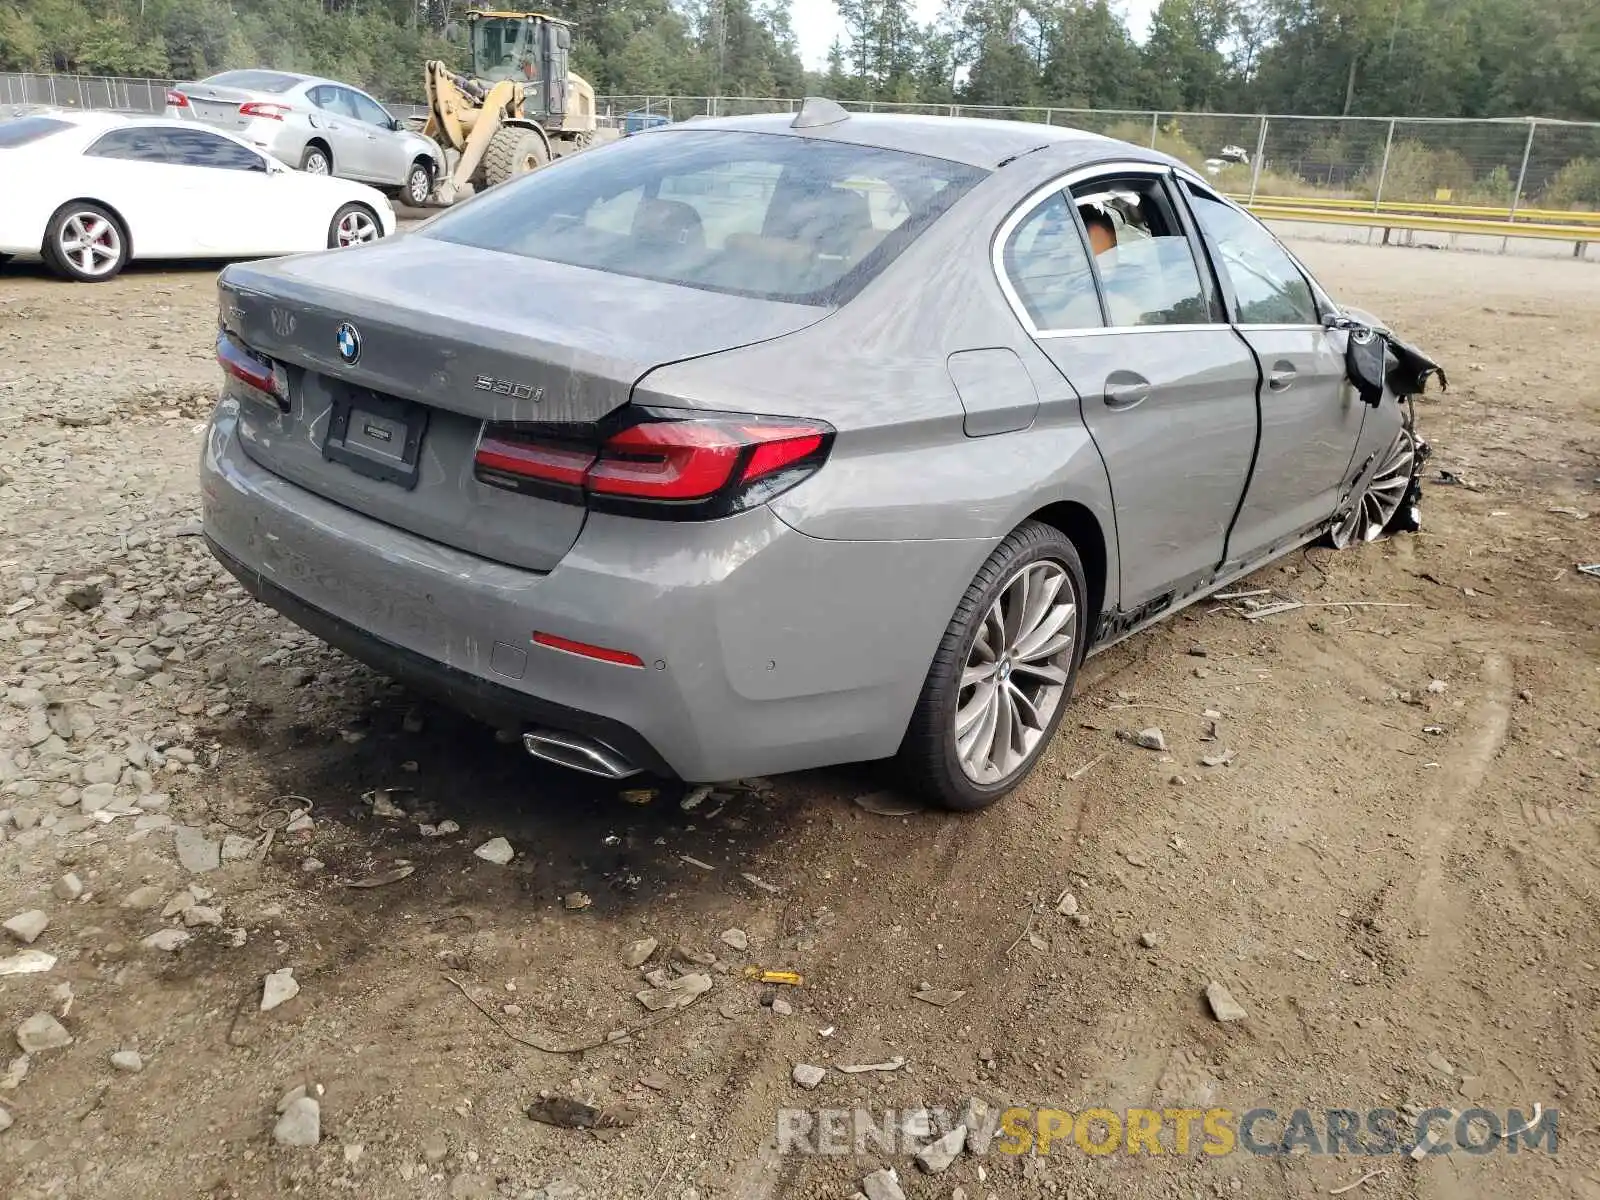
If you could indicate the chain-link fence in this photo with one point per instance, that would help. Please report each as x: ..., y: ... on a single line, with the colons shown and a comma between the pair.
x: 1501, y: 166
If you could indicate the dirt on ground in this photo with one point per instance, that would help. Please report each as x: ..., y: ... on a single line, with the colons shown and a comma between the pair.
x: 1391, y: 865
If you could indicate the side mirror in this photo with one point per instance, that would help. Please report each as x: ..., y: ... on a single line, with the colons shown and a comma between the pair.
x: 396, y: 124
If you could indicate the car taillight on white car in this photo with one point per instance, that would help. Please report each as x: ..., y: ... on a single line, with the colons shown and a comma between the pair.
x: 664, y: 464
x: 261, y: 108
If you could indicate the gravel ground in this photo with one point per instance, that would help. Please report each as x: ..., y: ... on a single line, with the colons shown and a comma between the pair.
x: 1394, y: 874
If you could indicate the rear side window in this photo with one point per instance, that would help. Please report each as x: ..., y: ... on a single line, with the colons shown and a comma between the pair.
x: 28, y: 129
x: 765, y: 215
x: 254, y: 81
x: 1048, y: 268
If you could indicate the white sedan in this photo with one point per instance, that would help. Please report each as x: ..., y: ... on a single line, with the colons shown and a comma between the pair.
x: 88, y: 192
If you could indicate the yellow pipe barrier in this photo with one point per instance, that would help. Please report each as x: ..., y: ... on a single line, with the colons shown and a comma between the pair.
x: 1390, y: 220
x: 1555, y: 216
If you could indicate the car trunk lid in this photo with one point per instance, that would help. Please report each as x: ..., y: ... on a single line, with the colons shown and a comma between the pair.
x: 217, y: 105
x: 445, y: 337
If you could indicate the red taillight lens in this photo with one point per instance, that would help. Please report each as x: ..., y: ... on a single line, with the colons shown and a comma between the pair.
x: 239, y: 361
x: 667, y: 463
x: 259, y: 108
x: 176, y: 99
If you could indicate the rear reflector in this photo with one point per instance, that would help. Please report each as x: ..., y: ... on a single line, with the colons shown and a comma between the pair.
x: 260, y: 108
x: 666, y: 463
x: 621, y: 657
x: 176, y: 99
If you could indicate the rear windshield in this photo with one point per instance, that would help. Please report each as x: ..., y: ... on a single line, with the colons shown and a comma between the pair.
x: 766, y: 215
x: 28, y: 129
x: 254, y: 81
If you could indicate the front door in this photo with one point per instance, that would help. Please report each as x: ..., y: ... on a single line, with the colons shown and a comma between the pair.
x: 1310, y: 415
x: 1167, y: 389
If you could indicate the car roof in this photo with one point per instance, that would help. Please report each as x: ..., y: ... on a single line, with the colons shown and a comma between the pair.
x: 110, y: 120
x: 976, y: 141
x: 295, y: 75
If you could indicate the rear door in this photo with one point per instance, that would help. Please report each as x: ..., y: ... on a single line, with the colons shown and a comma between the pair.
x: 1167, y: 388
x: 1310, y: 415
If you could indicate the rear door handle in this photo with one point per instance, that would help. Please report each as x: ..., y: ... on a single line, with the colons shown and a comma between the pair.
x: 1124, y: 389
x: 1282, y: 376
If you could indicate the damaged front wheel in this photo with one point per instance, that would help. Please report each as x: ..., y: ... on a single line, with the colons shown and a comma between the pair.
x: 1373, y: 512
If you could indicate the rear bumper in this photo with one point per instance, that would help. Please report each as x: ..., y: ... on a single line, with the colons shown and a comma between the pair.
x: 765, y: 650
x: 483, y: 698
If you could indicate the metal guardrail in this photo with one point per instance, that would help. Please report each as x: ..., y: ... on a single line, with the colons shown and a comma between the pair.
x: 1424, y: 208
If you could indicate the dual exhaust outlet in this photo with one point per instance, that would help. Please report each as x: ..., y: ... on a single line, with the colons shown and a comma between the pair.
x: 577, y: 752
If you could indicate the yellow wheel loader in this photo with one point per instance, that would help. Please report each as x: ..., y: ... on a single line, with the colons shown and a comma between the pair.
x: 519, y: 108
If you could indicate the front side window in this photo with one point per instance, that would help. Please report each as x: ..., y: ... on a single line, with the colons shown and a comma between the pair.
x: 1048, y: 268
x: 192, y: 148
x: 1269, y: 288
x: 370, y: 111
x: 767, y: 215
x: 1142, y: 255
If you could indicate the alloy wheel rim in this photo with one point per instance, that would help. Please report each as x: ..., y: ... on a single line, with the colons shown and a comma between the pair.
x: 90, y: 243
x: 1370, y: 515
x: 1015, y: 675
x: 419, y: 188
x: 317, y: 164
x: 356, y: 228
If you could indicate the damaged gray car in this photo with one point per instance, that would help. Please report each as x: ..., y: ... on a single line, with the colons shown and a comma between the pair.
x: 752, y: 445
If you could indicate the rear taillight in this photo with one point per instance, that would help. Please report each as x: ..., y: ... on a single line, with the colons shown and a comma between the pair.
x: 260, y: 108
x: 663, y: 464
x: 176, y: 99
x: 244, y: 364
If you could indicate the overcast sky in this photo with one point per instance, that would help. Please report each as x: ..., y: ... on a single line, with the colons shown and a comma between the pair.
x: 816, y: 23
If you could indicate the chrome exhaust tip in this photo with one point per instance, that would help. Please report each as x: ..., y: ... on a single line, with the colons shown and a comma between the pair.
x: 577, y: 753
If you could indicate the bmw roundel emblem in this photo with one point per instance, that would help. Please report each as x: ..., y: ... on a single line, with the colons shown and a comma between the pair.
x: 349, y: 342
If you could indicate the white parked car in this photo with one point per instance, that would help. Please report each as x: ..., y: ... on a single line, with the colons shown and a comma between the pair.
x: 89, y: 192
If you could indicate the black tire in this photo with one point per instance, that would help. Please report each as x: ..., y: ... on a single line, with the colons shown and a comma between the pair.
x: 512, y: 151
x: 928, y: 752
x: 360, y: 216
x: 4, y: 258
x: 316, y: 159
x: 419, y: 183
x: 105, y: 259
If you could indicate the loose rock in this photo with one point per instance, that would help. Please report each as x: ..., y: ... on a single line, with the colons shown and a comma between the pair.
x: 42, y: 1032
x: 883, y: 1185
x: 808, y: 1076
x: 196, y: 851
x: 198, y: 916
x: 1223, y: 1006
x: 1150, y: 739
x: 496, y: 850
x: 278, y: 987
x: 576, y: 901
x: 737, y: 938
x: 68, y: 887
x: 938, y: 1155
x: 128, y: 1060
x: 300, y: 1124
x: 26, y: 927
x: 637, y: 953
x: 167, y: 939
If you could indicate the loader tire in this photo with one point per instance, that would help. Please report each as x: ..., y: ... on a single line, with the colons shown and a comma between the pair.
x: 513, y: 151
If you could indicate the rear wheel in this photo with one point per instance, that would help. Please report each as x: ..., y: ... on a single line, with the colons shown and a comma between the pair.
x: 419, y: 182
x: 316, y: 160
x: 513, y: 151
x: 1003, y: 673
x: 353, y: 225
x: 85, y: 242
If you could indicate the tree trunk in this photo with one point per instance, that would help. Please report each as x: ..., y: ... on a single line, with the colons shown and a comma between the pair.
x: 1350, y: 86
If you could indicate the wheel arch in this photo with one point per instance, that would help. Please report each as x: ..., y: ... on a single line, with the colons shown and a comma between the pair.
x: 116, y: 215
x: 321, y: 143
x: 1082, y: 529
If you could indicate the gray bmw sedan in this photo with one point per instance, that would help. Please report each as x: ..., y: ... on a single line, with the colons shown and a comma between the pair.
x: 750, y: 445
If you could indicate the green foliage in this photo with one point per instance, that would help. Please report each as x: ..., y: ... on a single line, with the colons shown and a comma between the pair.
x: 1576, y: 185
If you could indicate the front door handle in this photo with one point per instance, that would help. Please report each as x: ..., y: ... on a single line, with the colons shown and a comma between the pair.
x: 1282, y: 376
x: 1124, y: 389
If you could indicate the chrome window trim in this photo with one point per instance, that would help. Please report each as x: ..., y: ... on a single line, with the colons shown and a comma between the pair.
x: 1043, y: 193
